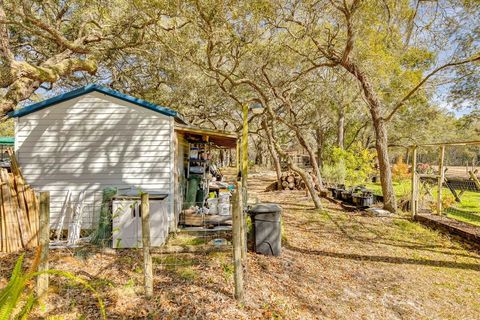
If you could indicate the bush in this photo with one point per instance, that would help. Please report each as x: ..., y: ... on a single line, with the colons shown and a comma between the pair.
x: 400, y: 170
x: 425, y: 168
x: 447, y: 201
x: 352, y: 167
x: 334, y: 173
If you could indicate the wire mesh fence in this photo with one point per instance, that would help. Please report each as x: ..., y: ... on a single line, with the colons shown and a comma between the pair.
x: 448, y: 181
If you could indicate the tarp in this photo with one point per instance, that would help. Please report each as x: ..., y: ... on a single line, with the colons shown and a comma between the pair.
x: 7, y: 141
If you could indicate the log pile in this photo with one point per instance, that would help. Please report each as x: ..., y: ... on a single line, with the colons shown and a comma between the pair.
x: 292, y: 181
x: 19, y: 214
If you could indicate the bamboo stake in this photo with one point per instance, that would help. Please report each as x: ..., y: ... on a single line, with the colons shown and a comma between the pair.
x: 22, y: 203
x: 13, y: 236
x: 16, y: 217
x: 44, y: 235
x: 147, y: 257
x: 237, y: 247
x: 21, y: 218
x: 441, y: 179
x: 63, y: 214
x: 21, y: 208
x: 33, y: 214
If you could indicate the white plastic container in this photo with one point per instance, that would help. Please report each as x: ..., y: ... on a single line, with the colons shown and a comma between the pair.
x: 224, y: 209
x: 212, y: 205
x: 212, y: 201
x: 224, y: 197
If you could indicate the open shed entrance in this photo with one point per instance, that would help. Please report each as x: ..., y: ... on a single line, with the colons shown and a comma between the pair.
x: 205, y: 177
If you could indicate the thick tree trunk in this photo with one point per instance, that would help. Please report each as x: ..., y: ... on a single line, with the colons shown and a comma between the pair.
x: 313, y: 159
x: 381, y: 144
x: 316, y: 168
x: 341, y: 128
x: 381, y: 137
x: 320, y: 143
x: 274, y: 155
x: 259, y: 153
x: 308, y: 182
x: 292, y: 166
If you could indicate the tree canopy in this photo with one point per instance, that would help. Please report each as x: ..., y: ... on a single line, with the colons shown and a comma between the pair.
x: 330, y: 73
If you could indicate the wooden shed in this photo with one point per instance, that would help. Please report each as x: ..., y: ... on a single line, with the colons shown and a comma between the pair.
x: 78, y: 143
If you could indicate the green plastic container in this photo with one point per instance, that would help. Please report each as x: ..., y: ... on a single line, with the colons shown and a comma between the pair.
x: 192, y: 189
x: 201, y: 195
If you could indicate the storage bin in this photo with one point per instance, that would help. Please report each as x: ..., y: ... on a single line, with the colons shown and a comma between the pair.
x: 267, y: 228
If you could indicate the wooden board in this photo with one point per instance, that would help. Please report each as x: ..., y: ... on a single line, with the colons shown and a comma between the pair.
x: 198, y: 220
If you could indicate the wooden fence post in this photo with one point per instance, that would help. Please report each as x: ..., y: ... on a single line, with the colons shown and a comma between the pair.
x: 147, y: 257
x: 441, y: 178
x: 243, y: 223
x: 414, y: 197
x: 237, y: 246
x: 44, y: 239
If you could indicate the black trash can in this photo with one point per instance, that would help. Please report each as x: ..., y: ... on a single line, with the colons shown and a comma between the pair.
x: 267, y: 230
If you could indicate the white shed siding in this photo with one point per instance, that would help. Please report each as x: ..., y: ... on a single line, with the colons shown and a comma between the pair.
x: 92, y: 142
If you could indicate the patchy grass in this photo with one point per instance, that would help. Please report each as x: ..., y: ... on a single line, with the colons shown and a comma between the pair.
x: 468, y: 210
x: 401, y: 188
x: 183, y: 239
x: 174, y: 261
x: 335, y: 265
x: 187, y: 273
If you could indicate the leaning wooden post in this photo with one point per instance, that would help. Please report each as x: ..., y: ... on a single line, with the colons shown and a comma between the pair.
x: 147, y: 258
x: 441, y: 178
x: 237, y: 246
x: 414, y: 197
x: 44, y: 239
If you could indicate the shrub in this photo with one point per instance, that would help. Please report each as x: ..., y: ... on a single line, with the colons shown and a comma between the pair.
x: 352, y: 167
x: 334, y: 173
x: 400, y: 170
x: 424, y: 168
x: 447, y: 201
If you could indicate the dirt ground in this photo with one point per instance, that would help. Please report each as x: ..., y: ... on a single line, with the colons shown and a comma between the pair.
x: 334, y: 265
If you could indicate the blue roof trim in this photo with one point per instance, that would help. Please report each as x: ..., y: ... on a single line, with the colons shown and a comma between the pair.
x: 90, y: 88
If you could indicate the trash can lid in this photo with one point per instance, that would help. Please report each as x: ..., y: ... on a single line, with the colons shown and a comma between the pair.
x: 265, y: 208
